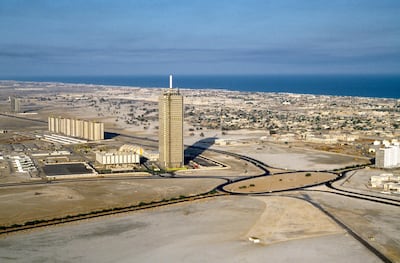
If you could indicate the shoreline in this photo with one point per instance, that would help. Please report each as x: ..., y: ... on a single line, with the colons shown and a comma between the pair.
x: 210, y: 88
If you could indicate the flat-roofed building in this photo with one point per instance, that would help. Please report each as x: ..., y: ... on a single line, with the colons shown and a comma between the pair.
x: 117, y: 158
x: 131, y: 148
x: 85, y: 129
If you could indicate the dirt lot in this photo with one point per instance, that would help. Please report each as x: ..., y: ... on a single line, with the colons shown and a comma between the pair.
x: 286, y: 218
x: 26, y: 203
x: 279, y: 182
x: 234, y: 167
x: 377, y: 223
x: 291, y: 158
x: 10, y: 123
x: 214, y: 230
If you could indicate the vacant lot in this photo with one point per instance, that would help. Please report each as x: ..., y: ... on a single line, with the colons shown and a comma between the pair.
x: 214, y: 230
x: 26, y: 203
x: 291, y: 158
x: 279, y: 182
x: 20, y: 124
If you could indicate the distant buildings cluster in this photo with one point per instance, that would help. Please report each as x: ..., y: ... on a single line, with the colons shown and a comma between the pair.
x: 171, y: 148
x: 85, y: 129
x: 308, y: 117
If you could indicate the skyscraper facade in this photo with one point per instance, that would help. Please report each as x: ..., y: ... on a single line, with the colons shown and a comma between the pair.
x: 15, y: 105
x: 170, y: 105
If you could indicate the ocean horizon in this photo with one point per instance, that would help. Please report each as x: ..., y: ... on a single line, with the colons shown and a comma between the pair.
x: 380, y: 86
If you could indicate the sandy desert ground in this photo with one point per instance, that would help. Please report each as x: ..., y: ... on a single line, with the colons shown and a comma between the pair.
x: 202, y: 231
x: 279, y: 182
x: 376, y: 223
x: 26, y: 203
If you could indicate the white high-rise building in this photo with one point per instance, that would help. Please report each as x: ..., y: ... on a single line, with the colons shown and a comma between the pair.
x: 15, y: 104
x: 388, y: 157
x: 89, y: 130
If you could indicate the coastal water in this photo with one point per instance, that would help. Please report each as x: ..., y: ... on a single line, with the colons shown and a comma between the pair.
x: 382, y: 86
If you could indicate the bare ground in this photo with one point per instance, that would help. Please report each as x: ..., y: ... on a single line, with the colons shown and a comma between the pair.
x: 377, y: 223
x: 286, y: 218
x: 27, y: 203
x: 279, y: 182
x: 202, y: 231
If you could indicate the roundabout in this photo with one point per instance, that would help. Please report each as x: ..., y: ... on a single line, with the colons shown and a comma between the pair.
x: 279, y: 182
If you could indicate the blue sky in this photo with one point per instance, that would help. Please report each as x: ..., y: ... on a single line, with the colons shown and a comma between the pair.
x: 122, y: 37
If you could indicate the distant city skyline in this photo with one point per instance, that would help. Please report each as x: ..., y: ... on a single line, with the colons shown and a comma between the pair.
x: 53, y: 38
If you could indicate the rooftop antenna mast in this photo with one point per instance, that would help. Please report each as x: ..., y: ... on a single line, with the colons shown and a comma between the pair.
x: 170, y: 81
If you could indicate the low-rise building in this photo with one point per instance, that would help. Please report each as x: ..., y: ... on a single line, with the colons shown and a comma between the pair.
x: 151, y: 155
x: 391, y: 187
x: 131, y: 148
x: 23, y: 164
x: 378, y: 180
x: 117, y: 158
x: 387, y: 181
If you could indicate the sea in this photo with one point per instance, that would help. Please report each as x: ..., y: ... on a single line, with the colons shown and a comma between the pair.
x: 381, y: 86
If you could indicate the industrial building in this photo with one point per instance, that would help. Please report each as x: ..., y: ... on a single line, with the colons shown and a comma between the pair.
x: 15, y: 104
x: 85, y: 129
x: 388, y: 156
x: 171, y: 128
x: 117, y: 158
x: 148, y: 154
x: 55, y: 138
x: 131, y: 148
x: 152, y: 156
x: 127, y: 154
x: 23, y: 164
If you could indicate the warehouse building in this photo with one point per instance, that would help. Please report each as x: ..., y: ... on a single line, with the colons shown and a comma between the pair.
x: 117, y: 158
